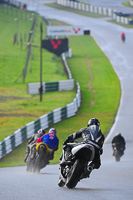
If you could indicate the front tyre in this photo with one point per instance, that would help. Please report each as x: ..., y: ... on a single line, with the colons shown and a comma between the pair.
x: 61, y: 181
x: 30, y: 165
x: 75, y: 173
x: 117, y: 157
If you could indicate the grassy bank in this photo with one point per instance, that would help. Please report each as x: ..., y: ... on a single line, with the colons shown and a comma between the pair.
x: 100, y: 89
x: 17, y: 108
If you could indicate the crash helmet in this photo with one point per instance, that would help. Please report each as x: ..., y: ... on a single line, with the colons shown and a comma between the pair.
x: 93, y: 121
x: 51, y: 130
x: 118, y: 134
x: 40, y: 132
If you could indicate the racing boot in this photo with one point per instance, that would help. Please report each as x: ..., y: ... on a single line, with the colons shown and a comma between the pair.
x: 87, y: 172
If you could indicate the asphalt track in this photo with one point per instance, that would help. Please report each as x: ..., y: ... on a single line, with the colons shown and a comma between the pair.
x: 114, y: 180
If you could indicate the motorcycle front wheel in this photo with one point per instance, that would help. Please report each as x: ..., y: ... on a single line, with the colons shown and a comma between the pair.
x: 75, y: 173
x: 30, y: 165
x: 36, y: 168
x: 61, y: 182
x: 117, y: 156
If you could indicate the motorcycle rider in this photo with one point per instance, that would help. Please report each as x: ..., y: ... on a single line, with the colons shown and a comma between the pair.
x: 86, y: 136
x: 33, y: 140
x: 123, y: 36
x: 119, y: 139
x: 51, y: 140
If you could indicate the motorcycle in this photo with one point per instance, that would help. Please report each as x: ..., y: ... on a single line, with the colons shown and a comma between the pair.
x: 123, y: 39
x: 31, y: 157
x: 118, y: 151
x: 39, y: 157
x: 71, y: 172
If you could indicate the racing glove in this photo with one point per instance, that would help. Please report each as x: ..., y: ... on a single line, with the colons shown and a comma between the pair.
x: 101, y: 151
x: 69, y: 139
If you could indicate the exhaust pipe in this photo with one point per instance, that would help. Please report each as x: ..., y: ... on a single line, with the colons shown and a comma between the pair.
x: 89, y: 168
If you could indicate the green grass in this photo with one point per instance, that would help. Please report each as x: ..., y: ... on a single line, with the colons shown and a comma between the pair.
x: 127, y: 3
x: 86, y: 55
x: 80, y: 12
x: 15, y: 104
x: 120, y: 24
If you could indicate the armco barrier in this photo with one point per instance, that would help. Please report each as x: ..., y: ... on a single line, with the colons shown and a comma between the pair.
x: 64, y: 85
x: 86, y: 7
x: 63, y: 57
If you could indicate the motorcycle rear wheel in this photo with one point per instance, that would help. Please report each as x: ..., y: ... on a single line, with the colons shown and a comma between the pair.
x: 76, y: 171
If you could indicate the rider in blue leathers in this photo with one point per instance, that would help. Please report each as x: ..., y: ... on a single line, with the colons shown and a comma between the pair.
x: 50, y: 139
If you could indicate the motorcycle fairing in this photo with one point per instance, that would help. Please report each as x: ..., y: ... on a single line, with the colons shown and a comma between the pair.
x: 85, y: 151
x: 41, y: 143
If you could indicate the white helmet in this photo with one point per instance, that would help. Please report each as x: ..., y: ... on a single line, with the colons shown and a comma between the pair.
x: 40, y: 132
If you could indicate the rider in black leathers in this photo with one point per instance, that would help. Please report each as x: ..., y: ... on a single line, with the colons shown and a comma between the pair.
x: 119, y: 139
x: 33, y: 140
x: 84, y: 133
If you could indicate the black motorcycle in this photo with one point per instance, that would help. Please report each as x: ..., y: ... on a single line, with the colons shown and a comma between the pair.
x: 118, y: 151
x: 71, y: 172
x: 123, y: 38
x: 39, y: 157
x: 31, y: 157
